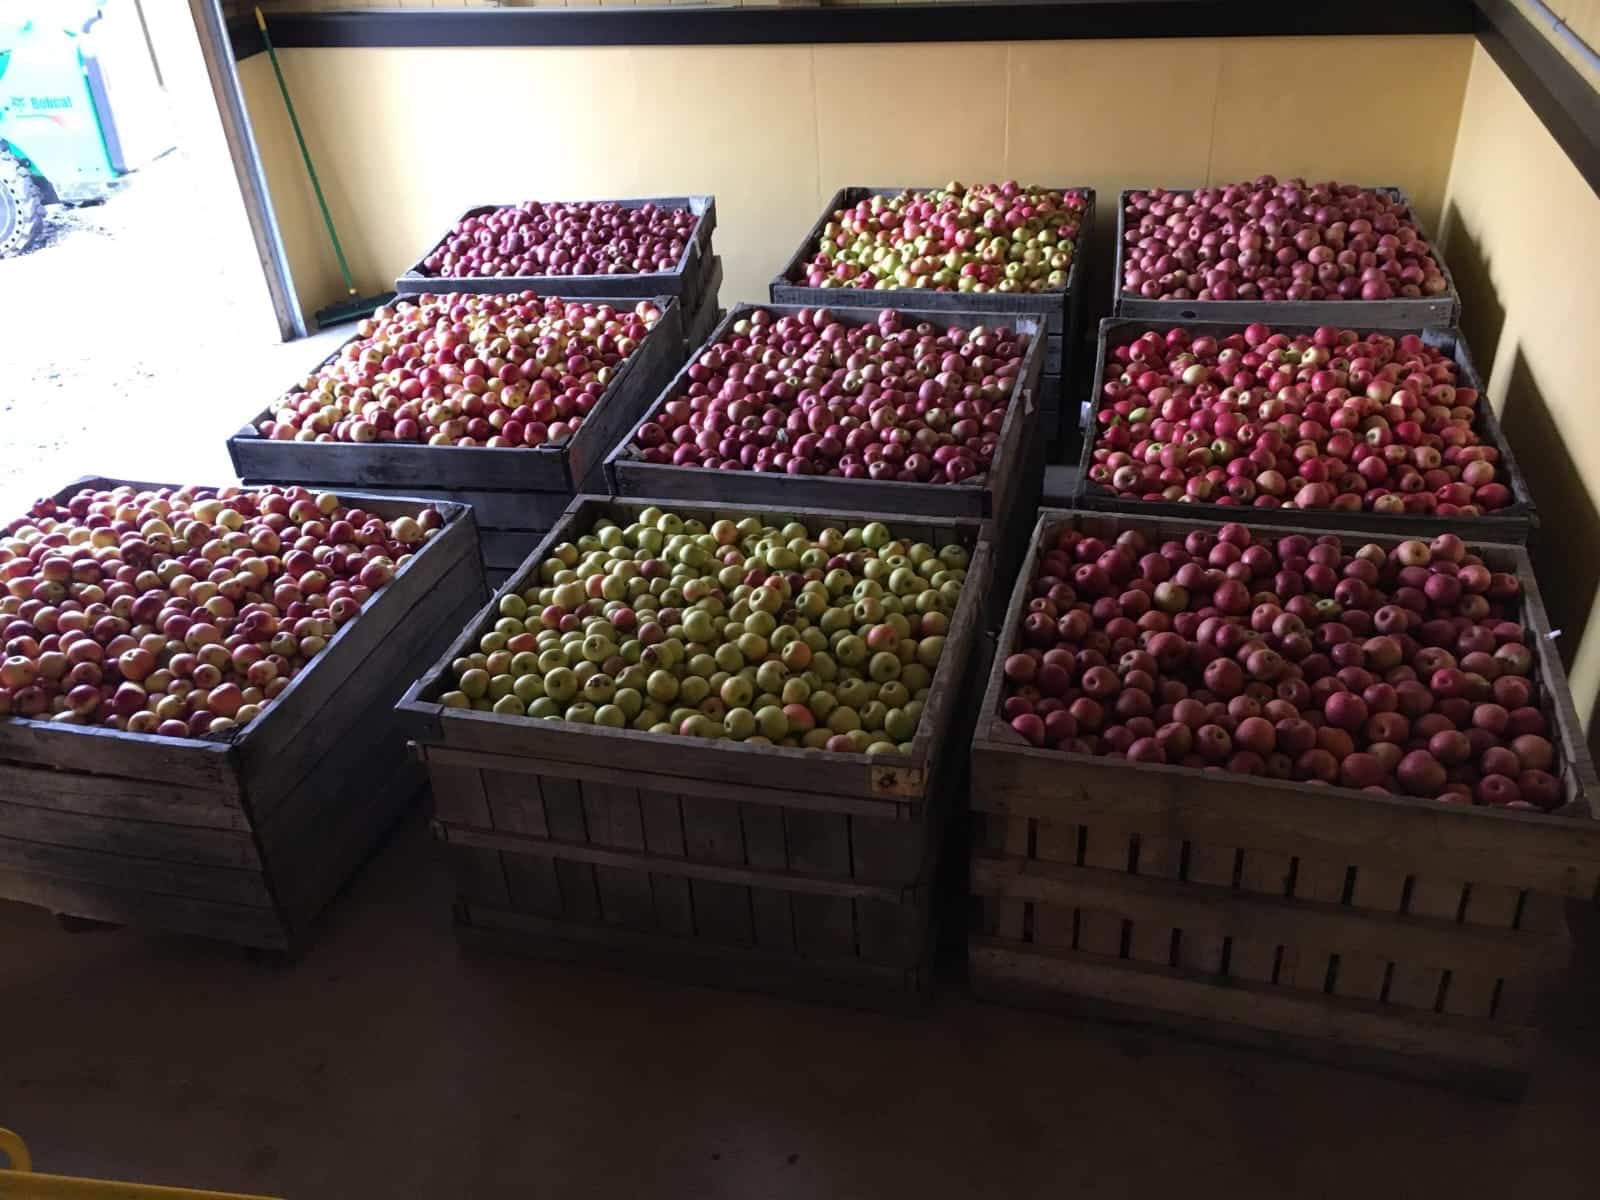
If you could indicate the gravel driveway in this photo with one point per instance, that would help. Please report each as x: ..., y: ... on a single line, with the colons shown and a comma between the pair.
x: 127, y: 348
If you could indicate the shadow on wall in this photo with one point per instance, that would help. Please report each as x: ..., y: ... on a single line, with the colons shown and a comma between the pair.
x: 1483, y: 318
x: 1566, y: 551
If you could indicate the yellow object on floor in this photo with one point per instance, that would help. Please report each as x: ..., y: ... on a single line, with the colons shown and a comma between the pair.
x: 20, y: 1182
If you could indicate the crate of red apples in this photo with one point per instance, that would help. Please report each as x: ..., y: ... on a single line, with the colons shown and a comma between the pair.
x: 1265, y: 250
x: 584, y: 249
x: 1318, y: 791
x: 195, y: 725
x: 508, y: 403
x: 997, y: 249
x: 924, y: 413
x: 1310, y: 425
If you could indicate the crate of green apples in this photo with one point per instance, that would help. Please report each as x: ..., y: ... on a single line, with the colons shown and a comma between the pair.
x: 711, y: 735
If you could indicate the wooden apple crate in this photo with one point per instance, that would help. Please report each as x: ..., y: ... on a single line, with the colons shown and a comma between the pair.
x: 1008, y: 492
x: 1403, y: 935
x: 764, y: 867
x: 687, y: 281
x: 1516, y: 522
x: 243, y: 837
x: 1062, y: 310
x: 516, y: 494
x: 1400, y: 313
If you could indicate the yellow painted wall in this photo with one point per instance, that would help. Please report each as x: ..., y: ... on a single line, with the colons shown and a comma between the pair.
x: 406, y: 139
x: 1522, y: 236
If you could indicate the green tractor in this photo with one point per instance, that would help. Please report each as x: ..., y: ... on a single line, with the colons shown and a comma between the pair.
x: 61, y: 67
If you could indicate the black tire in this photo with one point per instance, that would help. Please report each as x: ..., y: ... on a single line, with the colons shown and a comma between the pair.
x: 21, y: 206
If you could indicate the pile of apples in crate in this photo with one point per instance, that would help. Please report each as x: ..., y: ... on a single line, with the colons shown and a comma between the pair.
x: 1331, y: 419
x: 1394, y: 670
x: 186, y: 611
x: 806, y: 394
x: 999, y: 237
x: 465, y: 370
x: 738, y: 630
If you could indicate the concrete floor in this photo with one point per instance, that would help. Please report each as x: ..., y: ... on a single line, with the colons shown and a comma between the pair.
x: 388, y: 1064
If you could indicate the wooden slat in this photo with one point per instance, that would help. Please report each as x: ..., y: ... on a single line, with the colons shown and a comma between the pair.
x: 766, y: 851
x: 563, y: 812
x: 458, y: 795
x: 1471, y: 993
x: 479, y: 875
x: 1199, y: 950
x: 1480, y: 1054
x: 1521, y: 995
x: 1100, y: 930
x: 1421, y: 987
x: 710, y: 788
x: 210, y: 767
x: 1307, y: 967
x: 133, y: 838
x: 122, y: 799
x: 713, y: 834
x: 663, y: 835
x: 1268, y: 875
x: 640, y: 861
x: 1363, y: 976
x: 1220, y: 911
x: 1551, y: 854
x: 1151, y: 940
x: 819, y: 844
x: 1008, y: 835
x: 613, y: 819
x: 119, y: 871
x: 516, y: 804
x: 1055, y: 841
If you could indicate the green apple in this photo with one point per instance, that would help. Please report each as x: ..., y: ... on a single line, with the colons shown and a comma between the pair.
x: 475, y: 683
x: 739, y: 723
x: 509, y: 706
x: 693, y: 689
x: 599, y: 689
x: 822, y: 704
x: 770, y: 676
x: 581, y: 713
x: 629, y: 701
x: 850, y: 650
x: 737, y: 692
x: 611, y: 716
x: 883, y: 667
x: 899, y: 724
x: 773, y: 724
x: 544, y: 708
x: 795, y: 691
x: 528, y: 688
x: 661, y: 686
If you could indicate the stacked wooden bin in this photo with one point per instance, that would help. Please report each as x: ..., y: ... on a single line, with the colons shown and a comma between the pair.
x: 1061, y: 311
x: 1378, y: 930
x: 753, y: 866
x: 695, y: 282
x: 803, y: 871
x: 1402, y: 934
